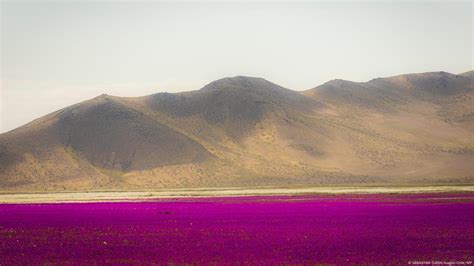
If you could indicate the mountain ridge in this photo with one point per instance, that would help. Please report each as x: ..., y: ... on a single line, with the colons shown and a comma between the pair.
x: 246, y: 131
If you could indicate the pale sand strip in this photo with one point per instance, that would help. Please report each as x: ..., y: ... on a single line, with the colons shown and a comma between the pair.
x: 146, y: 195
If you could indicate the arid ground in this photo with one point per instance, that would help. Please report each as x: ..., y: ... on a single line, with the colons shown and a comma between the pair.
x: 413, y: 129
x: 123, y: 196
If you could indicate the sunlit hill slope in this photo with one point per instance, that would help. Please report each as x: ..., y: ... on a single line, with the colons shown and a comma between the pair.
x: 245, y: 132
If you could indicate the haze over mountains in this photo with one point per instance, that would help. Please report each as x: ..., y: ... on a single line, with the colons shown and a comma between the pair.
x: 245, y: 132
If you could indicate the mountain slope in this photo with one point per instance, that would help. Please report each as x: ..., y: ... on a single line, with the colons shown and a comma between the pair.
x: 412, y: 126
x: 243, y: 131
x: 99, y: 134
x: 234, y: 105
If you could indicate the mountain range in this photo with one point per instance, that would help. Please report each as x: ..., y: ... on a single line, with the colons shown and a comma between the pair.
x: 414, y: 129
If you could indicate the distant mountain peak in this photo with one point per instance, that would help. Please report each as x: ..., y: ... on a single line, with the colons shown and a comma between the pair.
x: 238, y: 81
x: 469, y: 74
x: 102, y: 97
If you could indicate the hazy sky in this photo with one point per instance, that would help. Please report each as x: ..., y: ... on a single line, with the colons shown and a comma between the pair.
x: 57, y: 54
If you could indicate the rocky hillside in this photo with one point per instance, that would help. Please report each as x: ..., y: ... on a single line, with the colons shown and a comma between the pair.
x: 244, y: 132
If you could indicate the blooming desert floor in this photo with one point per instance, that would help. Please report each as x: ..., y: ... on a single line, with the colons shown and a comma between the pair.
x: 328, y: 229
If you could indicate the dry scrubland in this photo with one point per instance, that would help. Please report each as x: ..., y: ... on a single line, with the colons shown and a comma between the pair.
x: 209, y: 193
x: 415, y: 129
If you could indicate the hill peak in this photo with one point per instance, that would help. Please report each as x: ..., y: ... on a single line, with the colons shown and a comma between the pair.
x: 469, y: 74
x: 335, y: 84
x: 238, y: 82
x: 240, y: 79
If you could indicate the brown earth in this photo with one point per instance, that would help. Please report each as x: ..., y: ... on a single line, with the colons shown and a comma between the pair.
x: 415, y: 129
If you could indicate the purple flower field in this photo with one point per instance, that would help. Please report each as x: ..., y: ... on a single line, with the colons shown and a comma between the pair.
x: 343, y: 229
